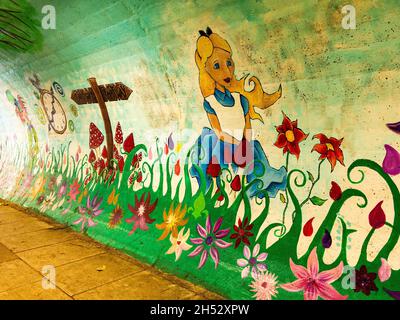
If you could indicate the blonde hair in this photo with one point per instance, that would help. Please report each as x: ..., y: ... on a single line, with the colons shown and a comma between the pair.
x: 257, y: 97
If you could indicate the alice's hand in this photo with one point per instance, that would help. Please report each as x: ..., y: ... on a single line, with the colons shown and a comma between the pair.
x: 236, y: 141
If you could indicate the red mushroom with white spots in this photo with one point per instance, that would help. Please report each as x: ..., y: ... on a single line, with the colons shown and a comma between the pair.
x: 96, y: 138
x: 119, y: 138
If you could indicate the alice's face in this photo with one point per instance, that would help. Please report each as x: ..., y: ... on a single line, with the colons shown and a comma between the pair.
x: 220, y: 67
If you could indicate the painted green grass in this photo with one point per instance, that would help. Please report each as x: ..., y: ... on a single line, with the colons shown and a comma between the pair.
x: 145, y: 246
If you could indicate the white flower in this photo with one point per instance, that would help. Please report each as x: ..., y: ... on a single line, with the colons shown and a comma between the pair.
x: 252, y: 262
x: 179, y: 244
x: 59, y: 180
x: 58, y: 204
x: 48, y: 202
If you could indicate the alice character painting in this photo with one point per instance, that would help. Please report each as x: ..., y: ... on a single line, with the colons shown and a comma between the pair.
x: 230, y: 110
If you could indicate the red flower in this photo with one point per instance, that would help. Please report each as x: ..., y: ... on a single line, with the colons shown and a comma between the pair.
x: 236, y: 185
x: 289, y: 136
x: 242, y: 233
x: 104, y: 153
x: 141, y: 213
x: 308, y: 228
x: 220, y: 195
x: 336, y: 192
x: 116, y: 217
x: 330, y: 149
x: 365, y: 282
x: 177, y: 168
x: 92, y: 156
x: 213, y: 168
x: 377, y: 217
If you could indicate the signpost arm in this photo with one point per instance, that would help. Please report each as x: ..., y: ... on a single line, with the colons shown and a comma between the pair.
x: 106, y: 118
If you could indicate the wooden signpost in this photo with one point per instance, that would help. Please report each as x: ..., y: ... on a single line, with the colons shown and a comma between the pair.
x: 102, y: 94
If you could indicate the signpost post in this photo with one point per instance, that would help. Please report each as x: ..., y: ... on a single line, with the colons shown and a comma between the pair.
x: 101, y: 94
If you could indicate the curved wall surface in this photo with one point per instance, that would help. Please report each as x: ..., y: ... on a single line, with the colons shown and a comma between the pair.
x: 321, y: 181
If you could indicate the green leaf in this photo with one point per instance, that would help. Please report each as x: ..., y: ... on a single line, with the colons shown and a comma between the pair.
x: 317, y: 201
x: 310, y: 176
x: 282, y: 198
x: 198, y: 206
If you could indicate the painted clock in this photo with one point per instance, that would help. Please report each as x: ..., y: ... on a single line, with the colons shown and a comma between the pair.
x: 52, y: 107
x: 54, y: 111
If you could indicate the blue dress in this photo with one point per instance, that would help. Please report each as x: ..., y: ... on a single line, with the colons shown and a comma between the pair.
x: 208, y: 146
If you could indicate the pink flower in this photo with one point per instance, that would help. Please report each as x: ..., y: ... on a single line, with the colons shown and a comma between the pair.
x: 313, y: 282
x: 63, y: 190
x: 65, y: 211
x: 87, y: 214
x: 391, y: 163
x: 28, y: 181
x: 264, y: 285
x: 385, y: 271
x: 253, y: 262
x: 210, y: 239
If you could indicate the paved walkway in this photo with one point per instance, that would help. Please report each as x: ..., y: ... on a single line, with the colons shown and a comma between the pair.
x: 84, y: 269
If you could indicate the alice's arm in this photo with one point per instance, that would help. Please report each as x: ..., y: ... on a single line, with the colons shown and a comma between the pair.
x: 215, y: 125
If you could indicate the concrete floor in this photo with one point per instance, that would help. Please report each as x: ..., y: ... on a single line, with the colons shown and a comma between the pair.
x: 84, y: 269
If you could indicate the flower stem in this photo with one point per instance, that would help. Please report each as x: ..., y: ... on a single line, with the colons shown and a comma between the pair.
x: 287, y: 198
x: 313, y: 184
x: 312, y: 187
x: 389, y: 225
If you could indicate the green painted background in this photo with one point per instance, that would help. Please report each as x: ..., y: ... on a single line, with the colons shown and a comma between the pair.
x: 341, y: 82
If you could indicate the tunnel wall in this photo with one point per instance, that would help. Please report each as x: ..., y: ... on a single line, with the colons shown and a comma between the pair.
x: 336, y: 82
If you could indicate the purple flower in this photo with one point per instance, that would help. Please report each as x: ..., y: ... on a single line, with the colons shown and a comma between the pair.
x: 63, y: 189
x: 395, y: 127
x: 253, y: 262
x: 210, y: 239
x: 391, y: 163
x: 92, y: 210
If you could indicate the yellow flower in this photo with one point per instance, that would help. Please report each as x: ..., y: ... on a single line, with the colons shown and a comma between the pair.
x: 83, y: 194
x: 178, y: 147
x: 172, y: 221
x: 113, y: 198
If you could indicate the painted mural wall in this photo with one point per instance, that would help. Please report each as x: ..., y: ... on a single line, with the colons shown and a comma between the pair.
x: 252, y: 146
